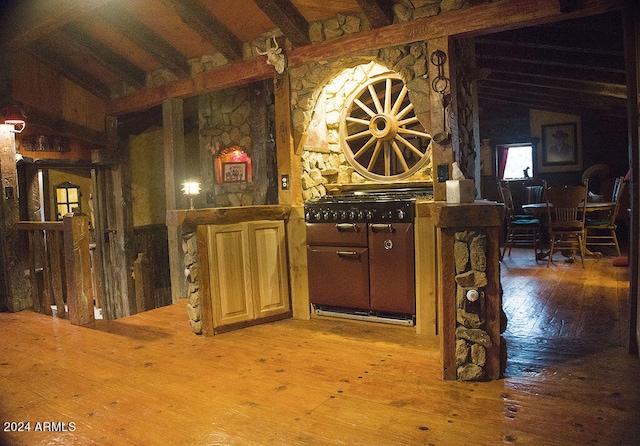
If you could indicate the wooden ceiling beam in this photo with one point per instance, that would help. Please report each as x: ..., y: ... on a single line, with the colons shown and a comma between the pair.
x: 112, y: 61
x: 509, y: 65
x: 484, y: 18
x: 143, y: 36
x: 286, y: 17
x: 536, y: 100
x: 70, y: 71
x: 559, y: 56
x: 570, y: 85
x: 501, y: 15
x: 232, y: 75
x: 379, y: 13
x: 211, y: 30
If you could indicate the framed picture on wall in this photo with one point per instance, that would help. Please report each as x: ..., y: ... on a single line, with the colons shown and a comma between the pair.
x: 560, y: 145
x: 234, y: 172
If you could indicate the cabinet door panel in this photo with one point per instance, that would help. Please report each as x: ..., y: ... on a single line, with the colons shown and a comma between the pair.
x: 268, y: 267
x: 229, y: 275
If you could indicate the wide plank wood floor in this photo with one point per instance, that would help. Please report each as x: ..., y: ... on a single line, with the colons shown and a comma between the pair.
x: 147, y: 380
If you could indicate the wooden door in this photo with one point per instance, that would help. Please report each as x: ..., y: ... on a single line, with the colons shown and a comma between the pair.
x: 268, y: 267
x: 229, y: 274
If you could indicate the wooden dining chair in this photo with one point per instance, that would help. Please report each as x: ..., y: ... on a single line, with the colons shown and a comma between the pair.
x: 522, y: 229
x: 602, y: 231
x: 566, y: 211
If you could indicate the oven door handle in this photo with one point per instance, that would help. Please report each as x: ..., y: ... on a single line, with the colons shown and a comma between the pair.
x: 347, y: 227
x: 375, y: 227
x: 351, y: 254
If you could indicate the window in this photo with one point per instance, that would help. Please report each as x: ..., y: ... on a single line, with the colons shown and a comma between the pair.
x: 67, y: 199
x: 515, y: 161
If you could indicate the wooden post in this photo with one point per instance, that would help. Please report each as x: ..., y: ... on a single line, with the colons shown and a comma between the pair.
x: 15, y: 290
x: 174, y: 174
x: 485, y: 217
x: 78, y: 269
x: 54, y: 248
x: 441, y: 153
x: 288, y: 161
x: 119, y: 231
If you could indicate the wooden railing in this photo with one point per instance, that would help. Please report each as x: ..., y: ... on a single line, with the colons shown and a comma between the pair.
x: 59, y: 266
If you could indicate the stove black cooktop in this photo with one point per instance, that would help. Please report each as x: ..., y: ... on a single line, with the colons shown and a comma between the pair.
x: 371, y: 195
x: 370, y: 206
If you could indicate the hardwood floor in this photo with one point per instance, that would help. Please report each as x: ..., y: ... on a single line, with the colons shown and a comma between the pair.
x: 146, y: 380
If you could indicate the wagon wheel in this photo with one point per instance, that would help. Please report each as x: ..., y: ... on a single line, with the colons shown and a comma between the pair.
x: 382, y: 137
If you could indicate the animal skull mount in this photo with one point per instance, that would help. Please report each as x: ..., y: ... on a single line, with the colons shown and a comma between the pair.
x: 275, y: 56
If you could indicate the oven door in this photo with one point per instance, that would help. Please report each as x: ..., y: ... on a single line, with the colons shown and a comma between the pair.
x: 392, y: 268
x: 339, y: 276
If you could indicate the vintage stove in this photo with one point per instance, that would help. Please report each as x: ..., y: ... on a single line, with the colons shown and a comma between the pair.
x: 360, y: 251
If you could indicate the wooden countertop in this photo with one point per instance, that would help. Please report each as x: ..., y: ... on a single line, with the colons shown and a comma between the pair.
x: 480, y: 213
x: 226, y: 215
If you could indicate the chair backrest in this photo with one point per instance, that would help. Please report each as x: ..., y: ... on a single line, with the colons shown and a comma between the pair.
x: 534, y: 194
x: 566, y: 204
x: 507, y: 198
x: 618, y: 190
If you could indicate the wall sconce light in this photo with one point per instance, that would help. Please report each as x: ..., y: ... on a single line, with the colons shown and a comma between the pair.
x: 191, y: 189
x: 13, y: 116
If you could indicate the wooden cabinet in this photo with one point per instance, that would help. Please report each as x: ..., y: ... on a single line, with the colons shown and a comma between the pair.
x: 247, y: 272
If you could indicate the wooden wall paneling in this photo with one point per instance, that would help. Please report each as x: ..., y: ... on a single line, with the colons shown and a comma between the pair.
x: 74, y: 104
x: 174, y: 174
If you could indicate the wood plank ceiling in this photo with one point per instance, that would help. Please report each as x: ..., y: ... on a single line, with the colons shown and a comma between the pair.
x: 102, y: 45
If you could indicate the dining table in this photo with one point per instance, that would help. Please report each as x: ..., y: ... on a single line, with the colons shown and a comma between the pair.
x: 591, y: 206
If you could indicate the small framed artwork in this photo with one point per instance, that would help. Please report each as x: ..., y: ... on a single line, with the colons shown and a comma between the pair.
x: 234, y: 172
x: 560, y: 146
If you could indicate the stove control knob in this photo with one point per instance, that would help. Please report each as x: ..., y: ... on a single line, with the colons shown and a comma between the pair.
x: 369, y: 215
x: 400, y: 214
x: 335, y: 215
x: 360, y: 215
x: 343, y: 215
x: 325, y: 215
x: 352, y: 215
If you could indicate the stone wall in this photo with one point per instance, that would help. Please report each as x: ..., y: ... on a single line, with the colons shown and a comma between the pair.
x: 190, y: 250
x: 237, y: 117
x: 324, y: 89
x: 470, y: 249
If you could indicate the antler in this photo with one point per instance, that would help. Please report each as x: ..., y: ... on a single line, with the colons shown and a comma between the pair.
x: 268, y: 47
